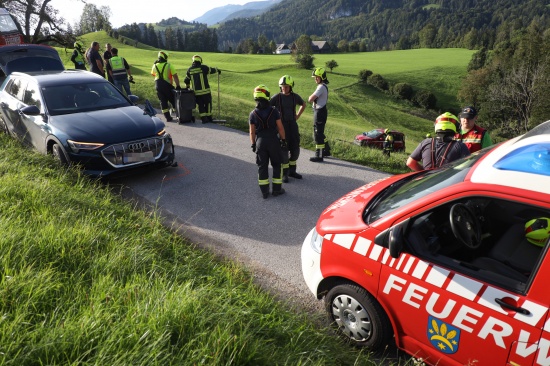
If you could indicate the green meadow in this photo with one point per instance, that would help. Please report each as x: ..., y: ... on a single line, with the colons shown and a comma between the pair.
x: 354, y: 107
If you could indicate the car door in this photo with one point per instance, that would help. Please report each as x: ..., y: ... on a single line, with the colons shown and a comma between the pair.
x: 35, y: 125
x: 456, y: 304
x: 11, y: 102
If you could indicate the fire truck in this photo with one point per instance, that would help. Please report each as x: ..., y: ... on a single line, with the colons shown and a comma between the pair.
x: 451, y: 264
x: 9, y: 34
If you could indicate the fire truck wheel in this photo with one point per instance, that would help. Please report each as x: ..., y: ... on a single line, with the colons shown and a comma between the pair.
x: 358, y: 317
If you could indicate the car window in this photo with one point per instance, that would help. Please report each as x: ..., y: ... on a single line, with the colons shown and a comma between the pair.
x: 373, y: 133
x: 32, y: 95
x: 85, y: 97
x: 15, y: 88
x: 482, y: 237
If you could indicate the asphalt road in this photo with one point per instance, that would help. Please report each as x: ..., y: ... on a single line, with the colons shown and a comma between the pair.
x: 212, y: 197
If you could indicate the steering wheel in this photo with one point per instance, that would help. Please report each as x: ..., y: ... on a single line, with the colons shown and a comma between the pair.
x: 465, y: 226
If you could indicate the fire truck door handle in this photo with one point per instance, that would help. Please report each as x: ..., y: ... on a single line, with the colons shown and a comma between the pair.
x: 512, y: 307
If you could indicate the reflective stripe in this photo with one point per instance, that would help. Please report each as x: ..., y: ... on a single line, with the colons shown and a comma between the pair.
x: 277, y: 181
x: 117, y: 66
x: 292, y: 162
x: 263, y: 182
x: 320, y: 146
x: 285, y: 166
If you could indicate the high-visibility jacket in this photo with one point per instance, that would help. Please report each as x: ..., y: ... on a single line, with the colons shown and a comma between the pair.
x: 164, y: 71
x: 117, y: 66
x: 473, y: 138
x: 79, y: 57
x: 197, y: 77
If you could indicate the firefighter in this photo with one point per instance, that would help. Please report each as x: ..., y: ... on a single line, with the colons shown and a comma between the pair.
x: 165, y: 75
x: 265, y: 122
x: 388, y: 143
x: 319, y: 99
x: 475, y: 137
x: 78, y: 56
x: 197, y: 78
x: 286, y: 102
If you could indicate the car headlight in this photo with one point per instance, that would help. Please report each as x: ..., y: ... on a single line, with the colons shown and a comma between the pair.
x: 77, y: 146
x: 316, y: 242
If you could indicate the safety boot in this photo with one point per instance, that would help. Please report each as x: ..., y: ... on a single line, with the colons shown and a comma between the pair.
x: 265, y: 190
x: 326, y: 150
x: 168, y: 117
x: 318, y: 158
x: 278, y: 192
x: 292, y: 172
x: 285, y: 175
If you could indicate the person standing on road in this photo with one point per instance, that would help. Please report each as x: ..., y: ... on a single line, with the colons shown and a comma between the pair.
x: 441, y: 149
x: 197, y: 78
x: 319, y: 100
x: 78, y: 57
x: 106, y: 56
x: 264, y: 124
x: 475, y: 137
x: 119, y: 70
x: 165, y: 75
x: 94, y: 59
x: 286, y: 102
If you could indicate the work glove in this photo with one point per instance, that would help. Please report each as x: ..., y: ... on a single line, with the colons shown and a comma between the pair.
x: 284, y: 144
x: 178, y: 87
x: 253, y: 147
x: 131, y: 79
x: 219, y: 71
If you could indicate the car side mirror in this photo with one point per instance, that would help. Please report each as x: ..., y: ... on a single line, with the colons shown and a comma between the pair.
x: 393, y: 238
x: 30, y: 110
x: 133, y: 98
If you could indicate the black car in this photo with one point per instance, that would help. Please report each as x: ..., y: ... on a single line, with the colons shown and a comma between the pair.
x: 81, y: 118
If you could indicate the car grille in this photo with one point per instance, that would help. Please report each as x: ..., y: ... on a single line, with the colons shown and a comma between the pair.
x: 134, y: 152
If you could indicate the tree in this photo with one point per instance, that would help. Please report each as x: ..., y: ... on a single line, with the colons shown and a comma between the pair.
x: 343, y: 46
x: 39, y: 22
x: 331, y: 64
x: 94, y: 19
x: 303, y: 53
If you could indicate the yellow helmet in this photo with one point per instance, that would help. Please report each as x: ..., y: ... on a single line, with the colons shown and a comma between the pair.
x: 387, y: 130
x: 163, y: 55
x: 286, y: 80
x: 261, y: 92
x: 446, y: 122
x: 197, y: 58
x: 537, y: 231
x: 319, y: 71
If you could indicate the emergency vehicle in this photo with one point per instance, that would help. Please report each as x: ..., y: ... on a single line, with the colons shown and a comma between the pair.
x: 450, y: 264
x: 9, y: 34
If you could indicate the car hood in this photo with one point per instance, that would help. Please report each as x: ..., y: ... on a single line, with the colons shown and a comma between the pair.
x: 346, y: 214
x: 107, y: 126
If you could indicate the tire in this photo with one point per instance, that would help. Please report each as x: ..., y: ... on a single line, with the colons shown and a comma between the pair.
x: 358, y: 317
x: 59, y: 154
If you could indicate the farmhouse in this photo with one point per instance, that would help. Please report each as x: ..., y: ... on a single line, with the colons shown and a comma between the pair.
x: 282, y: 49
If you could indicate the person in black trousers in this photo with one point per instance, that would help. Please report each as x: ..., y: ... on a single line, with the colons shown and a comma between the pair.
x: 264, y: 125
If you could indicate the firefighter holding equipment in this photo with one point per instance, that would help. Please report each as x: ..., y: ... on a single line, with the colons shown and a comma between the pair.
x: 78, y: 57
x: 165, y: 75
x: 197, y: 79
x: 286, y: 102
x: 264, y: 125
x: 388, y: 143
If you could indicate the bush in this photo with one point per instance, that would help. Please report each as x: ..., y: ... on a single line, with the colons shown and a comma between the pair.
x: 403, y: 91
x: 364, y: 74
x: 305, y: 61
x: 378, y: 82
x: 425, y: 99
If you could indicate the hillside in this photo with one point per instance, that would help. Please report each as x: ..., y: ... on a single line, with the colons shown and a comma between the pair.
x: 231, y: 11
x: 391, y: 24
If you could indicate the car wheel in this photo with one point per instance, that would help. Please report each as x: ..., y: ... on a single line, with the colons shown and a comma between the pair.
x: 358, y: 317
x: 59, y: 154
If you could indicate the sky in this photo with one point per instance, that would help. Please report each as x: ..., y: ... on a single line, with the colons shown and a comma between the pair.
x: 142, y: 11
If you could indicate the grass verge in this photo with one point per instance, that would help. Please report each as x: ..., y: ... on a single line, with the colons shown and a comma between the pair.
x: 88, y: 279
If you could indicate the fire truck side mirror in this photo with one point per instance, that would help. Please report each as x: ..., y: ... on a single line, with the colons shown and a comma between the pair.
x: 395, y: 241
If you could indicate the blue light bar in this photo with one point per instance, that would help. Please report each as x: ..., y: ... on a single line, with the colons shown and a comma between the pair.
x: 533, y: 159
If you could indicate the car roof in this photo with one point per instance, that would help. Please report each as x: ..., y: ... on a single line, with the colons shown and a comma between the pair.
x: 523, y: 162
x: 65, y: 77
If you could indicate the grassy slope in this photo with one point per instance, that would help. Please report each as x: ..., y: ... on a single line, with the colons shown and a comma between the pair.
x: 353, y: 107
x: 89, y: 280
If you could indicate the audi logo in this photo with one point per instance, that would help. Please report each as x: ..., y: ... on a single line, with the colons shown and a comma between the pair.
x: 136, y: 146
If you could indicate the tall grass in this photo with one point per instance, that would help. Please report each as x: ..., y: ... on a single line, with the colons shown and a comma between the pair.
x: 88, y: 279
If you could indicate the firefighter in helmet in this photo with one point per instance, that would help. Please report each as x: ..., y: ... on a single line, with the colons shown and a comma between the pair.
x: 388, y: 143
x: 165, y: 75
x: 286, y: 102
x: 319, y: 100
x: 78, y: 56
x: 264, y: 125
x: 197, y: 79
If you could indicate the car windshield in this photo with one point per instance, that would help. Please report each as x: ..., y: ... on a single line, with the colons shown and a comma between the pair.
x: 84, y: 97
x: 414, y: 187
x: 372, y: 134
